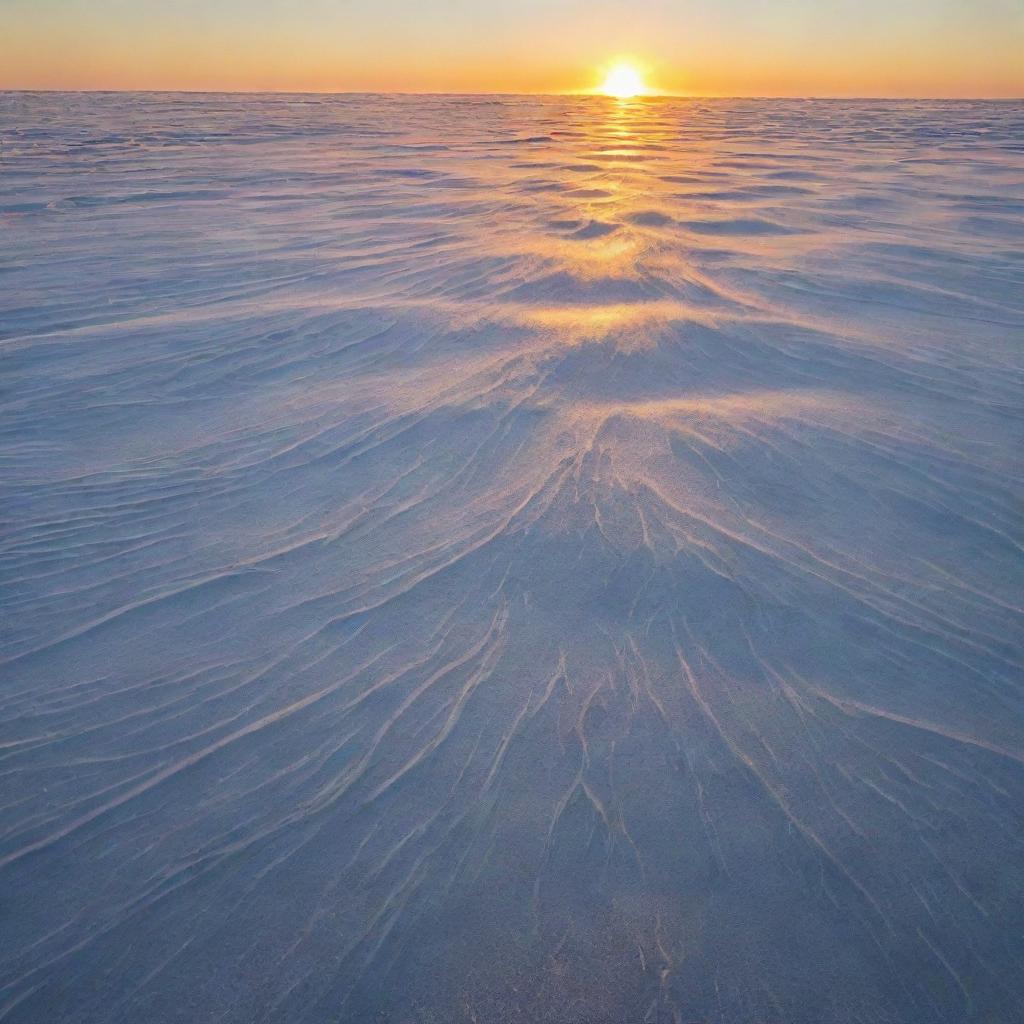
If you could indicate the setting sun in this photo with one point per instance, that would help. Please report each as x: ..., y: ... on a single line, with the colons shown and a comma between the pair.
x: 622, y: 81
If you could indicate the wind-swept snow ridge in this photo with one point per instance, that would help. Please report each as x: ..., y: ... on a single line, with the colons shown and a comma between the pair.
x: 511, y: 559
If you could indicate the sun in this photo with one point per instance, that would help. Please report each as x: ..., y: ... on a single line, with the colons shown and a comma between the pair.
x: 623, y: 81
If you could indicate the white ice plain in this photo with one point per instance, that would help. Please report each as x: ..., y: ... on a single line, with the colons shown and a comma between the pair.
x: 490, y: 560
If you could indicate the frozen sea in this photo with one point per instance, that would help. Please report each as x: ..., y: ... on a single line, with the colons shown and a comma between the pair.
x: 482, y: 560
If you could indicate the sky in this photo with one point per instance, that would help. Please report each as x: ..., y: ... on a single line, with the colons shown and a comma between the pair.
x: 945, y: 48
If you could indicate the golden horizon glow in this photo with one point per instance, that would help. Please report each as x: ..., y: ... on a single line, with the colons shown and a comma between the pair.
x: 501, y: 46
x: 623, y: 81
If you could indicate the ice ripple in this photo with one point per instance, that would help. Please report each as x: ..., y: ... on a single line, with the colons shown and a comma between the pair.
x: 438, y: 586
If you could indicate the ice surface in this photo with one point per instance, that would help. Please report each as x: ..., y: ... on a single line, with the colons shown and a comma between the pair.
x: 499, y: 559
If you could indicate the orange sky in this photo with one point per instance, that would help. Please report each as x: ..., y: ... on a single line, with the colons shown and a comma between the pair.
x: 701, y: 47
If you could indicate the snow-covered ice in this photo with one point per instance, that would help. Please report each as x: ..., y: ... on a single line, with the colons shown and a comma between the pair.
x: 511, y: 559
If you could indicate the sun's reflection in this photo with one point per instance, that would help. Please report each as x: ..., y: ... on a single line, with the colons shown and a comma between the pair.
x: 606, y: 245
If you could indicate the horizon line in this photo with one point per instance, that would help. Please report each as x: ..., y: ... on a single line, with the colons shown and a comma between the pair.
x: 571, y: 94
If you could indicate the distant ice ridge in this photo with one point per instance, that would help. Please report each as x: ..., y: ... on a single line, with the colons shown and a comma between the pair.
x: 483, y: 560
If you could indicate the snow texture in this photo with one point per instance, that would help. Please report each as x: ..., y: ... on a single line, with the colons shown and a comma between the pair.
x: 511, y: 559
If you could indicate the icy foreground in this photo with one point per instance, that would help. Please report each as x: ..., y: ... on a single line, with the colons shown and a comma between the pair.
x: 511, y: 560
